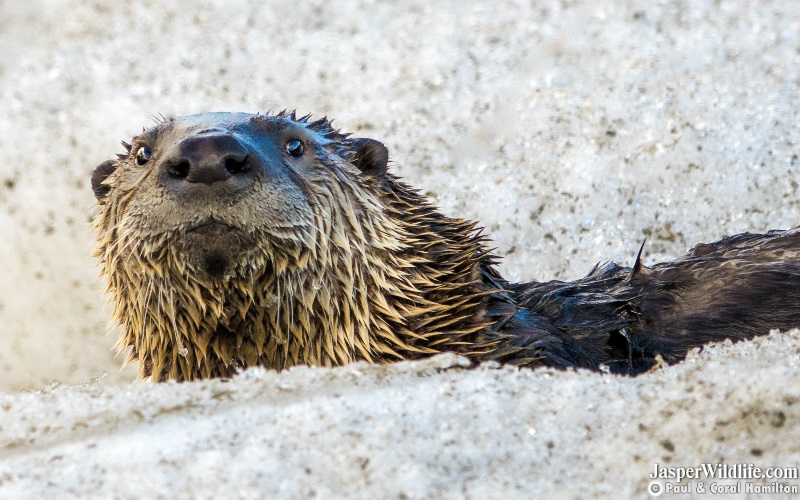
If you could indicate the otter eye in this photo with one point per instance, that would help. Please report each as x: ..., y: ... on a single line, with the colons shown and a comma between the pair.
x: 295, y: 148
x: 143, y: 155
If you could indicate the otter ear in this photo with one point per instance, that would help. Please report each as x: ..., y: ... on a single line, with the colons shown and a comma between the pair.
x: 370, y: 156
x: 101, y: 173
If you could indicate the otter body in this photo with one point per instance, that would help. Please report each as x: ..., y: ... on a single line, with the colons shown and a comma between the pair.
x: 232, y: 240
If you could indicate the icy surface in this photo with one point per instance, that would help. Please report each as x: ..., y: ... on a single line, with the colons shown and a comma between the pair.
x: 429, y: 429
x: 571, y: 129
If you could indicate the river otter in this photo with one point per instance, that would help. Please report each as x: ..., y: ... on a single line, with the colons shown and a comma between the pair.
x: 231, y: 240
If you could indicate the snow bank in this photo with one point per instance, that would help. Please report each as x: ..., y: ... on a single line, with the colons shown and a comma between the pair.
x: 572, y: 130
x: 429, y: 429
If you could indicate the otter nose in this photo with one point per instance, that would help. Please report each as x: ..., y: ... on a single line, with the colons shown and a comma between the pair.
x: 208, y: 159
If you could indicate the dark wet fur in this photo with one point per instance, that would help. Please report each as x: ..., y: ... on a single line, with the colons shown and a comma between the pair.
x: 620, y: 318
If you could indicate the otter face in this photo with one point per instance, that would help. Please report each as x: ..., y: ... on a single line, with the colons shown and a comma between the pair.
x: 232, y: 192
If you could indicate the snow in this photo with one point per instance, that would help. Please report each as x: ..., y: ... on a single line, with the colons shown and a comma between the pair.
x: 571, y: 129
x: 429, y: 429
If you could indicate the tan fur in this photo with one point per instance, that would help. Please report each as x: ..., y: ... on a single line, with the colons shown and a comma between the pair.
x: 355, y: 282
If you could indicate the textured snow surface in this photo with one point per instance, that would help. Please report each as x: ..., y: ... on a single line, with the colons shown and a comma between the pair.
x: 429, y: 429
x: 571, y: 129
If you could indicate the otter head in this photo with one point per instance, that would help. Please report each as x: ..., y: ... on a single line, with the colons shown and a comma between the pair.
x: 231, y: 240
x: 228, y: 192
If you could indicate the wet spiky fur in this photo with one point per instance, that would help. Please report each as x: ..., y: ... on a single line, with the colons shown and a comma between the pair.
x: 368, y: 270
x: 370, y: 282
